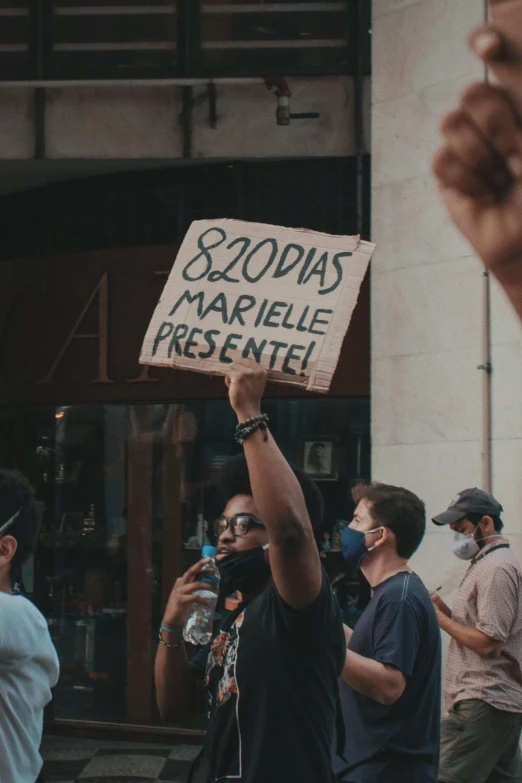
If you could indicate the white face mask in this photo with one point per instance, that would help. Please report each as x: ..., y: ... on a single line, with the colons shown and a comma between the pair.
x: 466, y: 547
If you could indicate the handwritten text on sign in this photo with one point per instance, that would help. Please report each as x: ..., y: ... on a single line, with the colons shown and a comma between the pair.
x: 282, y: 296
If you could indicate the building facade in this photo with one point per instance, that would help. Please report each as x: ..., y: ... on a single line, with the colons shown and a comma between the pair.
x: 121, y: 122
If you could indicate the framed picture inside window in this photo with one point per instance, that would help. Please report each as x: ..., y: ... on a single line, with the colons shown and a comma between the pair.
x: 318, y: 459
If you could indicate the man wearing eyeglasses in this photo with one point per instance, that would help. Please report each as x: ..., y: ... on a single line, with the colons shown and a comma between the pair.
x: 28, y: 661
x: 270, y: 675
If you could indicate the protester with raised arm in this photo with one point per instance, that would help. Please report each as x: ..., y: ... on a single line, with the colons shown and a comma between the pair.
x: 270, y: 675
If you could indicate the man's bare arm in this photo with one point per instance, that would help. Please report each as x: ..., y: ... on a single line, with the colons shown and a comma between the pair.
x: 382, y: 682
x: 294, y: 557
x: 440, y: 605
x: 479, y: 170
x: 480, y: 166
x: 178, y: 693
x: 469, y: 637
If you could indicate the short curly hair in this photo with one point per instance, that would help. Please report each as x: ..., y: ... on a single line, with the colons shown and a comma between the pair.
x: 234, y: 480
x: 17, y: 495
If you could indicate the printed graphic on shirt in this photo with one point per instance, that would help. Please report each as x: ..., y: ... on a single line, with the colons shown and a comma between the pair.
x: 222, y: 665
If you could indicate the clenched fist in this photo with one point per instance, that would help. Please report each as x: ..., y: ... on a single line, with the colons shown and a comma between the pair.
x: 246, y: 381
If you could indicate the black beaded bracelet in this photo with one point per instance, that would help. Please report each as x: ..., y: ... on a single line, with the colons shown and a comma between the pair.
x: 252, y: 420
x: 247, y: 428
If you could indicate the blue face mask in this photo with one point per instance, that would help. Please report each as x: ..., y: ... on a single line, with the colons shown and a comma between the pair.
x: 353, y: 544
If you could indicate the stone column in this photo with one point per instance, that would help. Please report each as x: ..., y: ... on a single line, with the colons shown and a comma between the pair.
x: 428, y: 289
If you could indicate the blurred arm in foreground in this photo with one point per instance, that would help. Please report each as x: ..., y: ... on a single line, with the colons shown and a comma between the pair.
x: 479, y: 172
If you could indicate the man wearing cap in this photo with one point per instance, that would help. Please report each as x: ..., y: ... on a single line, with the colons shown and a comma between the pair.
x: 483, y: 680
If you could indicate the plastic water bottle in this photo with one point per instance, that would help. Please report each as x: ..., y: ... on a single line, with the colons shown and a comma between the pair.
x: 198, y: 628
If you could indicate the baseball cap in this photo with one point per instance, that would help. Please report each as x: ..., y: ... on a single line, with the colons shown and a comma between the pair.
x: 469, y: 501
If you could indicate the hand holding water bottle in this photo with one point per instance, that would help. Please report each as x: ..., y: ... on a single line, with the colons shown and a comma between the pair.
x: 199, y: 626
x: 184, y: 595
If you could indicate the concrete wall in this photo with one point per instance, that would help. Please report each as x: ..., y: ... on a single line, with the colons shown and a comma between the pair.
x: 428, y: 288
x: 144, y: 122
x: 506, y: 335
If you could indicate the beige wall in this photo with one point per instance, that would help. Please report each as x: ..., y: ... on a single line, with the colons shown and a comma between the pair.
x: 144, y: 122
x: 427, y: 289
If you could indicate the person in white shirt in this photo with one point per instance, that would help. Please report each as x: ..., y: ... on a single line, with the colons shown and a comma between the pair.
x: 28, y: 661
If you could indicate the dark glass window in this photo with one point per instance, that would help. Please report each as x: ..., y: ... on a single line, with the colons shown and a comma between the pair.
x: 192, y: 38
x: 130, y: 497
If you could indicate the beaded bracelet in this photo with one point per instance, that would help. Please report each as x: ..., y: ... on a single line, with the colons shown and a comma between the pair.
x: 246, y: 432
x: 247, y: 428
x: 252, y: 420
x: 166, y: 644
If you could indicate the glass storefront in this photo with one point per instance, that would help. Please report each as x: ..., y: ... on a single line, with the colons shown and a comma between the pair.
x: 129, y: 494
x: 127, y: 479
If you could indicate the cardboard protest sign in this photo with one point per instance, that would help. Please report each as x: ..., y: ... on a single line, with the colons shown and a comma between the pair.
x: 282, y: 296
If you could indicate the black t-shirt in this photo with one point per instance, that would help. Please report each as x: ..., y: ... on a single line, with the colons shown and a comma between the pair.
x: 384, y: 744
x: 272, y: 685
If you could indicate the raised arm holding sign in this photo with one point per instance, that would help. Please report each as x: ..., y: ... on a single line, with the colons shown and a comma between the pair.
x: 240, y: 290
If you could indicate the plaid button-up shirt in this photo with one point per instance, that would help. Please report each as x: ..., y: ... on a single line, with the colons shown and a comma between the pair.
x: 490, y: 599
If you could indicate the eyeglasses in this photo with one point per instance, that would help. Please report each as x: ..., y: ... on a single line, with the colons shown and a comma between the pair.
x: 239, y: 525
x: 9, y: 522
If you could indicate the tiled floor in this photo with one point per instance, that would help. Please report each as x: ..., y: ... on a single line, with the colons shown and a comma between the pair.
x: 91, y: 761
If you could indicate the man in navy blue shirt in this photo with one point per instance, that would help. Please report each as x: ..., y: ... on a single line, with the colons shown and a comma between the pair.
x: 390, y: 686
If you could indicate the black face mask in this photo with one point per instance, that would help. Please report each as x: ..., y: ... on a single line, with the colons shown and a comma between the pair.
x: 244, y: 571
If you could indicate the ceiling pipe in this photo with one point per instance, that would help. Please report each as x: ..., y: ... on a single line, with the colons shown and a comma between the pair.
x: 174, y: 82
x: 278, y: 84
